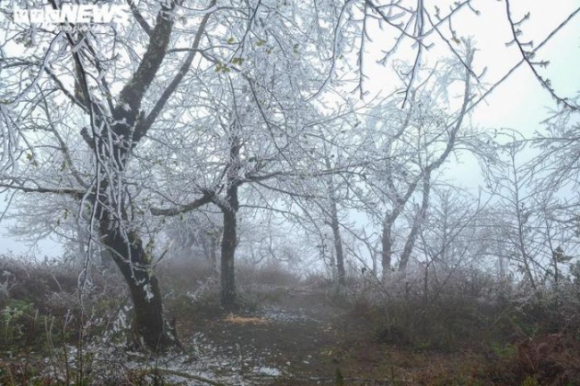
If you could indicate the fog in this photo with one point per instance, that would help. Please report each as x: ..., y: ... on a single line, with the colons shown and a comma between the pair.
x: 281, y: 192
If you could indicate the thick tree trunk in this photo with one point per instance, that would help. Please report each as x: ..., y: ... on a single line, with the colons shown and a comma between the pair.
x: 229, y: 208
x: 148, y: 325
x: 114, y: 134
x: 229, y: 243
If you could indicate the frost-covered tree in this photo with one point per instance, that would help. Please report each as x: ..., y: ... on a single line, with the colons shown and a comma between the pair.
x: 405, y: 148
x: 120, y: 120
x: 256, y: 106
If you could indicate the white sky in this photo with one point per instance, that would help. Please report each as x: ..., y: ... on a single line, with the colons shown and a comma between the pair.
x: 520, y: 103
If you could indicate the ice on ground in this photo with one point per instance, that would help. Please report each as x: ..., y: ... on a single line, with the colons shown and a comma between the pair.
x: 270, y: 371
x: 280, y: 315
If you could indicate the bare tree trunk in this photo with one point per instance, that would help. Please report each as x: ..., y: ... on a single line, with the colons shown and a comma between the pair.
x: 417, y: 223
x: 210, y: 242
x: 335, y: 225
x: 213, y: 254
x: 149, y: 328
x: 205, y: 245
x: 521, y: 219
x: 338, y: 248
x: 332, y: 265
x: 229, y: 209
x: 229, y: 243
x: 401, y: 201
x: 388, y: 223
x: 117, y: 125
x: 374, y: 257
x: 386, y: 253
x: 119, y: 134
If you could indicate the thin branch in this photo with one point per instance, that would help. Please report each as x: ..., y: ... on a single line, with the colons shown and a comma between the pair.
x: 528, y: 55
x: 204, y: 200
x: 140, y: 19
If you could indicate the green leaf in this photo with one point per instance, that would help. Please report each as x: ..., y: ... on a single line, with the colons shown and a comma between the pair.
x: 238, y: 61
x: 296, y: 48
x: 260, y: 43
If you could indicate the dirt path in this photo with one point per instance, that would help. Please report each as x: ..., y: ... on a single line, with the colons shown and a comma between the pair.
x: 289, y: 338
x: 302, y: 338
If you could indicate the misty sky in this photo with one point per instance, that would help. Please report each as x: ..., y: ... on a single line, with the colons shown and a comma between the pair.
x: 519, y: 103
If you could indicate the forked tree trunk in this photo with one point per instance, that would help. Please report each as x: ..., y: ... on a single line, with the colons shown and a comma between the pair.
x: 113, y: 136
x: 417, y: 224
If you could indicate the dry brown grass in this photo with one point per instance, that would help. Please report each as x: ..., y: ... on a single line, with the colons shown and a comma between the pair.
x: 236, y: 319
